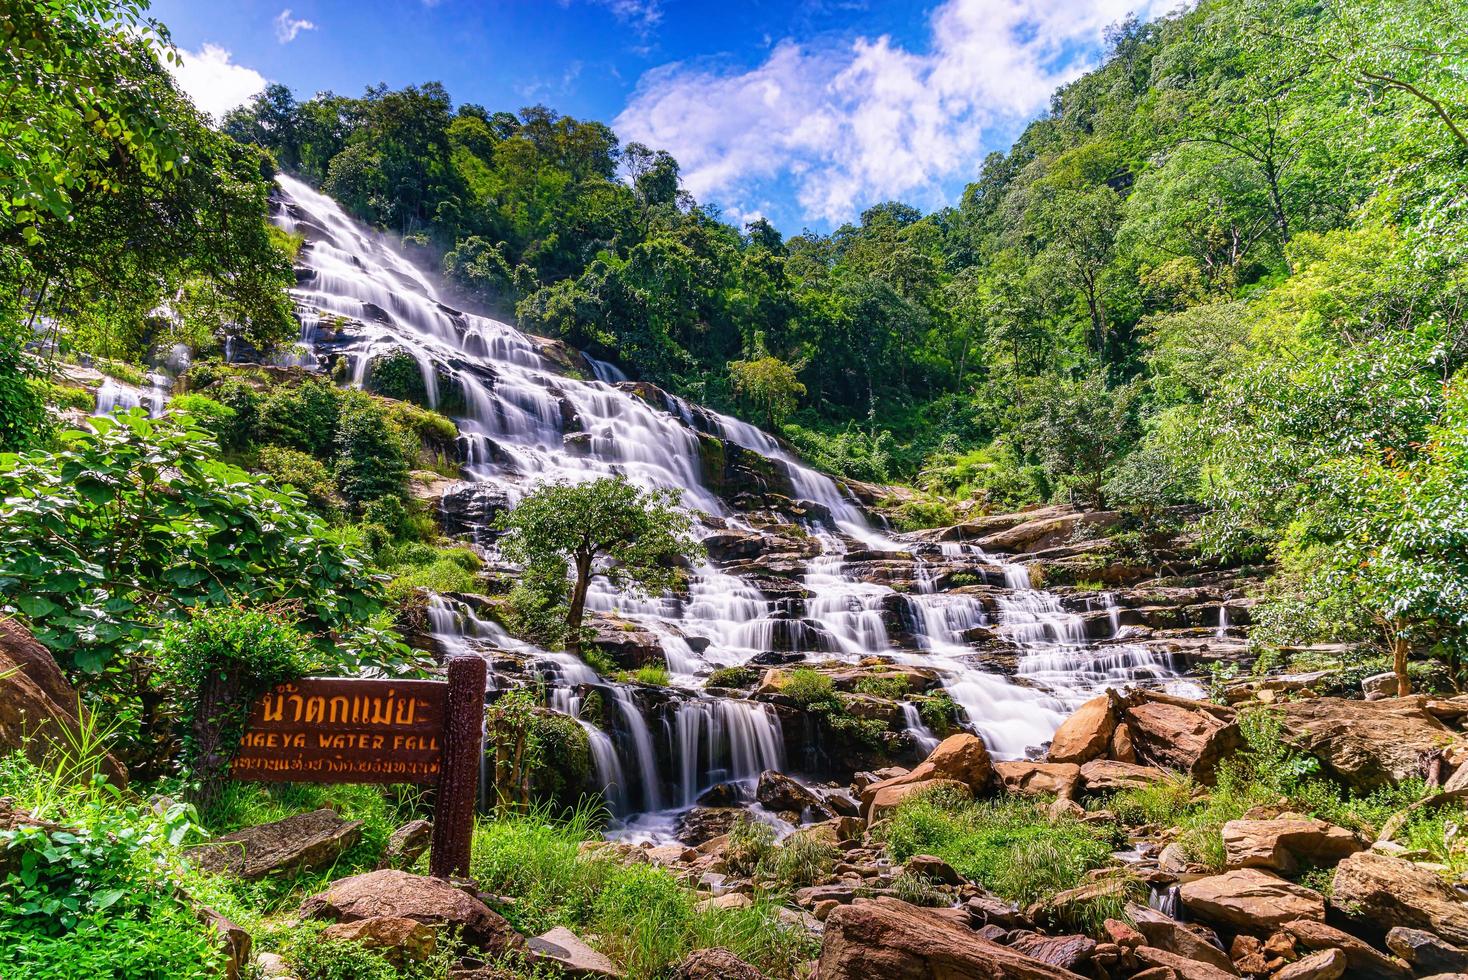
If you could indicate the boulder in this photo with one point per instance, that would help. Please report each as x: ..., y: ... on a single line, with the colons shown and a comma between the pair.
x: 1426, y: 952
x: 887, y: 798
x: 233, y: 941
x: 1327, y: 964
x: 562, y: 950
x: 303, y: 842
x: 38, y: 708
x: 896, y: 941
x: 1164, y: 932
x: 1284, y: 843
x: 1379, y: 686
x: 430, y: 901
x: 1376, y: 888
x: 704, y: 823
x: 1365, y: 744
x: 1181, y: 966
x: 1108, y: 776
x: 1039, y: 778
x: 1067, y: 952
x: 1086, y: 734
x: 1175, y: 733
x: 1361, y: 959
x: 406, y: 844
x: 958, y: 758
x: 716, y: 963
x: 399, y: 940
x: 782, y: 794
x: 1250, y: 900
x: 934, y: 869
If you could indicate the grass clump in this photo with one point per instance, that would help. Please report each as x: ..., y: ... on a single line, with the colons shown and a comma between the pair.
x: 811, y: 689
x: 751, y: 843
x: 892, y: 688
x: 312, y: 958
x: 800, y: 860
x: 650, y: 674
x: 645, y: 920
x: 1007, y: 845
x: 1163, y: 803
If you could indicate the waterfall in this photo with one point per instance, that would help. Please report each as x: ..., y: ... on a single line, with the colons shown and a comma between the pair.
x: 920, y: 732
x: 525, y: 417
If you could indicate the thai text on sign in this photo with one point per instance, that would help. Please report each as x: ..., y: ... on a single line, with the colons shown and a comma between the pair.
x: 345, y: 730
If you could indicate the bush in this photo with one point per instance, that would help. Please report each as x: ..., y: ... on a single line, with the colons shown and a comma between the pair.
x: 242, y: 399
x: 24, y: 422
x: 221, y: 660
x: 293, y: 468
x: 369, y: 462
x: 306, y: 417
x: 210, y: 415
x: 397, y: 374
x: 939, y: 711
x: 735, y: 677
x: 651, y: 675
x: 892, y: 688
x: 1007, y: 845
x: 811, y: 689
x: 73, y: 397
x: 312, y: 958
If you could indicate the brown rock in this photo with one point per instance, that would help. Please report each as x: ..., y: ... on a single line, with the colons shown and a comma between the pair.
x: 233, y: 940
x: 1380, y: 889
x: 1108, y: 776
x: 934, y: 869
x: 1086, y: 734
x: 1164, y: 932
x: 406, y: 844
x: 886, y: 797
x: 1366, y: 744
x: 1185, y: 968
x: 1250, y: 900
x: 428, y: 900
x: 895, y: 941
x: 961, y: 758
x: 780, y: 793
x: 564, y: 951
x: 715, y: 964
x: 303, y: 842
x: 1122, y: 934
x: 1284, y: 843
x: 1067, y: 952
x: 1327, y: 964
x: 1174, y: 733
x: 1122, y: 749
x: 38, y: 708
x: 1039, y: 778
x: 1157, y: 973
x: 1426, y: 952
x: 1362, y: 960
x: 399, y: 940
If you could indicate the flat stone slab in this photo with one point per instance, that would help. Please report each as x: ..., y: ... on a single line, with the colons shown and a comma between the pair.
x: 304, y: 842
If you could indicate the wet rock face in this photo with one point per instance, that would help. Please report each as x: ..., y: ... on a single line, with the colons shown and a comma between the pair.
x: 469, y: 510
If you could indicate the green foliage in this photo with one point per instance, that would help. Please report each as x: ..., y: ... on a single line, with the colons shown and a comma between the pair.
x: 733, y: 677
x: 893, y: 688
x: 138, y: 520
x: 800, y: 860
x: 810, y: 689
x: 1007, y: 845
x: 213, y: 417
x: 99, y: 896
x: 939, y: 711
x: 24, y: 423
x: 770, y: 385
x: 293, y: 468
x: 220, y: 661
x: 751, y: 843
x: 603, y: 527
x: 396, y: 374
x: 314, y: 958
x: 651, y: 675
x: 370, y: 461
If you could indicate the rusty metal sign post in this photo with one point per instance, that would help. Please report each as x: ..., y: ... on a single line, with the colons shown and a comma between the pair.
x: 345, y: 730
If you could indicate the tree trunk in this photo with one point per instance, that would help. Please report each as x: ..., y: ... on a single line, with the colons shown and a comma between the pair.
x: 1399, y: 665
x: 578, y: 604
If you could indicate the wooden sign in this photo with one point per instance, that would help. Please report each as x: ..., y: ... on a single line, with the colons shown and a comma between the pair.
x: 346, y: 730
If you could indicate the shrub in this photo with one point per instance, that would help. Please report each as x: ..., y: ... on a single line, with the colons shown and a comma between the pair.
x: 242, y: 399
x: 211, y: 416
x: 72, y: 396
x: 651, y: 675
x: 397, y: 374
x: 221, y: 660
x: 369, y: 461
x: 312, y: 958
x: 291, y: 467
x: 939, y: 711
x: 24, y: 422
x: 306, y: 417
x: 810, y: 689
x: 736, y: 677
x: 892, y: 688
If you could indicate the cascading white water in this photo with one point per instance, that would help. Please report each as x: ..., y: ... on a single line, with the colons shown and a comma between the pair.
x: 525, y: 419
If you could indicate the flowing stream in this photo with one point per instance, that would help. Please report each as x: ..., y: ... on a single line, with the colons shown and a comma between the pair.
x: 524, y: 419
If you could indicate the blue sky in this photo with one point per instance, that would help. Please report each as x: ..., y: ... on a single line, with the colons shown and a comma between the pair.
x: 804, y: 111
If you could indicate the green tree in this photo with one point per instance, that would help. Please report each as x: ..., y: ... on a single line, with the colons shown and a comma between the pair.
x: 636, y: 538
x: 769, y: 384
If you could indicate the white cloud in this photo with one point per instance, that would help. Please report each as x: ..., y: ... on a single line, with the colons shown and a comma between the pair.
x: 214, y: 83
x: 643, y: 15
x: 287, y: 27
x: 869, y: 120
